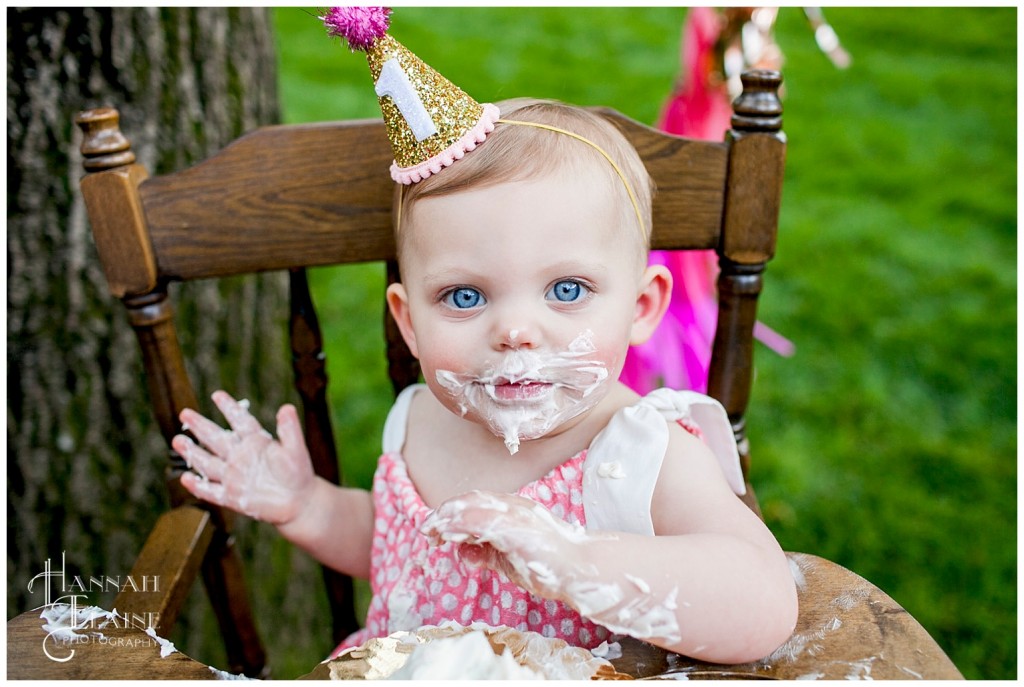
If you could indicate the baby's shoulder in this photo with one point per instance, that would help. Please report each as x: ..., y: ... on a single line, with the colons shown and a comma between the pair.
x: 700, y: 429
x: 700, y: 476
x: 669, y: 444
x: 689, y: 458
x: 685, y: 413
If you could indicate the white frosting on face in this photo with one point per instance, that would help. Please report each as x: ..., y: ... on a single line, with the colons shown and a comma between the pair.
x: 527, y: 393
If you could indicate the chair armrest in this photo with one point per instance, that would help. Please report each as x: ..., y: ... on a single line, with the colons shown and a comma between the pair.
x: 847, y: 629
x: 166, y: 567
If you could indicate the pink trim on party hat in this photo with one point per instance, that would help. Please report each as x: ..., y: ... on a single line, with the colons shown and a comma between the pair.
x: 470, y: 140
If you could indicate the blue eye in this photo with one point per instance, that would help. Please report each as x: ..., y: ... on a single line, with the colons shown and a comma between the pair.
x: 567, y: 291
x: 464, y: 298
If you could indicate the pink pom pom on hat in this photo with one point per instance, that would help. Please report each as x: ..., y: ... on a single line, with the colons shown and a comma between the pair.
x: 360, y: 26
x: 431, y: 122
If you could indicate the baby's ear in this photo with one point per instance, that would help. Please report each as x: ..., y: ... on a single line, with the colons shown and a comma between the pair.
x: 651, y: 304
x: 398, y: 303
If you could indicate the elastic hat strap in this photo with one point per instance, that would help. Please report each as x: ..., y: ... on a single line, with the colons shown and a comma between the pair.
x: 618, y: 170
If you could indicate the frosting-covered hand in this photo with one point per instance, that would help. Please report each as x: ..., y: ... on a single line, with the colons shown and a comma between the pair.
x: 553, y: 559
x: 245, y: 468
x: 508, y: 533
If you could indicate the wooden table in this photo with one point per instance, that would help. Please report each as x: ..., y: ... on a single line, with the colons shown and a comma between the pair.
x: 848, y: 629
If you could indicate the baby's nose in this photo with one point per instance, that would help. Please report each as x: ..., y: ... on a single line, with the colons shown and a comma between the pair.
x: 516, y: 337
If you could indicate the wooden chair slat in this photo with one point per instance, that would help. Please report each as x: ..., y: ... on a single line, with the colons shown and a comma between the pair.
x: 309, y: 363
x: 308, y: 195
x: 690, y: 176
x: 279, y: 197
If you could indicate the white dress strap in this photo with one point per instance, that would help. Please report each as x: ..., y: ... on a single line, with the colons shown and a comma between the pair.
x: 624, y: 459
x: 395, y: 425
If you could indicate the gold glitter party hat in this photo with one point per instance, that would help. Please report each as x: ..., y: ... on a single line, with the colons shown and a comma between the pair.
x: 431, y: 122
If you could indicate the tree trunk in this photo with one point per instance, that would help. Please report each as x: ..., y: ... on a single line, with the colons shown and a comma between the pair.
x: 85, y: 459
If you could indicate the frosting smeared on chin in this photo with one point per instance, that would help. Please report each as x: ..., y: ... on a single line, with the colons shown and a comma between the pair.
x: 527, y: 393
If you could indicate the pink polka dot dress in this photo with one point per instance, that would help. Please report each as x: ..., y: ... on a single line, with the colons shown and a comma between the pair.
x: 415, y: 583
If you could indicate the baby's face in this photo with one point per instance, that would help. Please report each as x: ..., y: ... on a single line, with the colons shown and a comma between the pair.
x: 521, y: 299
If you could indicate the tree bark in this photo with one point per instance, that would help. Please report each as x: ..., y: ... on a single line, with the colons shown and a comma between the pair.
x: 85, y: 459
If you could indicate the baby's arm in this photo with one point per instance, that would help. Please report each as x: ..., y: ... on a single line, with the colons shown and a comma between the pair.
x: 714, y: 585
x: 247, y: 470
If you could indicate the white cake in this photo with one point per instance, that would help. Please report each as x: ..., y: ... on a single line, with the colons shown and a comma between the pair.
x: 478, y: 652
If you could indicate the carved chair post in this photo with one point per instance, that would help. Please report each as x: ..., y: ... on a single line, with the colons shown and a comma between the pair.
x: 112, y: 182
x: 757, y: 149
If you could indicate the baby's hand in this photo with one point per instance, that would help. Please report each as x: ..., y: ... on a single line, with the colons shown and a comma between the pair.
x: 244, y: 468
x: 508, y: 533
x: 551, y: 558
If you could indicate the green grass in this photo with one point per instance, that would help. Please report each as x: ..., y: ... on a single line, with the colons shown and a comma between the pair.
x: 888, y: 443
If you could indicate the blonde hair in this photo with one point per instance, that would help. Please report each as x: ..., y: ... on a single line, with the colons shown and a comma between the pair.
x: 513, y: 152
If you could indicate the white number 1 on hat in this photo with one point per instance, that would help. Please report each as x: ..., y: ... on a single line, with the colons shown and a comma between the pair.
x: 394, y: 82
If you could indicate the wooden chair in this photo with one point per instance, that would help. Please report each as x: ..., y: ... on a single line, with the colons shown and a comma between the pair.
x: 300, y: 196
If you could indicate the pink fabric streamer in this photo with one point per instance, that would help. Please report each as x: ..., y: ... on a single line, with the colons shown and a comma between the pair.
x: 679, y: 353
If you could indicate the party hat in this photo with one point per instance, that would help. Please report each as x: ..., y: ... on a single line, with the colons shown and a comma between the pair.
x: 430, y: 121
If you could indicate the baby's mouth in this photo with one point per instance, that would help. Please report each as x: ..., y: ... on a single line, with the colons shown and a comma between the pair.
x: 503, y: 390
